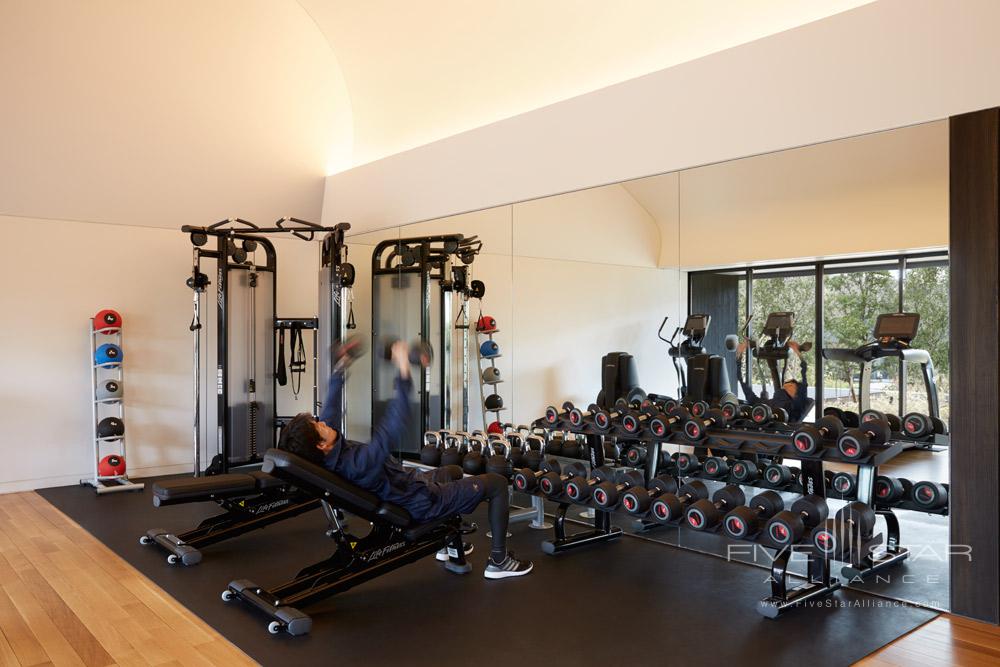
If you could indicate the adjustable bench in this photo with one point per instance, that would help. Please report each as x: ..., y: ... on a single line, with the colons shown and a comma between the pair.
x: 395, y: 540
x: 251, y: 500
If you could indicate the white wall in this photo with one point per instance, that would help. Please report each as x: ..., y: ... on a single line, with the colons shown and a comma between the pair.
x: 56, y: 275
x: 563, y: 295
x: 167, y: 113
x: 883, y: 192
x: 887, y: 64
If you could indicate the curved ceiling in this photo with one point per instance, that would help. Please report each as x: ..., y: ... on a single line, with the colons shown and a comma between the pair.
x: 167, y: 113
x: 422, y: 71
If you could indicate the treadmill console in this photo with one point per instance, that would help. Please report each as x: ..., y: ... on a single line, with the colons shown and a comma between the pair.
x: 891, y: 328
x: 696, y: 326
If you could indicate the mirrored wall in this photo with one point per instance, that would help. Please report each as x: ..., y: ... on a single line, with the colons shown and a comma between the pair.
x: 837, y: 234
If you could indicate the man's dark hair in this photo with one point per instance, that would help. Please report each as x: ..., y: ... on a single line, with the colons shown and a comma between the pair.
x: 300, y: 437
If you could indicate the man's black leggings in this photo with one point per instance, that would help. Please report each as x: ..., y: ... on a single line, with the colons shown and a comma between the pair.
x: 495, y: 492
x: 499, y: 500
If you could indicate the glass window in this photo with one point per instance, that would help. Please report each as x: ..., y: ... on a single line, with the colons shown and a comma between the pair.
x: 853, y: 298
x: 779, y: 292
x: 925, y: 291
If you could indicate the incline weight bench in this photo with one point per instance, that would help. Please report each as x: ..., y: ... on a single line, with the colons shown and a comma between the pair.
x: 251, y: 500
x: 394, y: 541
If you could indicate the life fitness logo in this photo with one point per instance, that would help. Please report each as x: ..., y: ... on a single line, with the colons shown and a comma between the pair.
x: 377, y: 554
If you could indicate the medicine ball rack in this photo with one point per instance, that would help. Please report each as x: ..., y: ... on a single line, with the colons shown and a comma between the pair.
x: 865, y: 558
x: 245, y: 346
x: 107, y: 483
x: 481, y: 337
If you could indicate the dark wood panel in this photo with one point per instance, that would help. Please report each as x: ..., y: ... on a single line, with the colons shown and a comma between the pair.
x: 975, y: 353
x: 718, y: 295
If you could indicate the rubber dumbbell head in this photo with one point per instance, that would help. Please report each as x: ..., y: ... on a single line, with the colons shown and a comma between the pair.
x: 858, y: 519
x: 807, y: 439
x: 716, y: 467
x: 688, y: 464
x: 930, y: 495
x: 744, y: 521
x: 889, y: 490
x: 669, y: 507
x: 917, y: 425
x: 778, y: 476
x: 844, y: 484
x: 744, y: 472
x: 704, y: 514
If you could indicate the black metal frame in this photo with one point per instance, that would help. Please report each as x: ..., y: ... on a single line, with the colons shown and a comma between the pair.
x: 241, y: 514
x: 819, y: 268
x: 355, y: 561
x: 237, y: 229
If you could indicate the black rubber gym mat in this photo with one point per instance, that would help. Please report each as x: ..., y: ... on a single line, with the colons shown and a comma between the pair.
x: 630, y: 601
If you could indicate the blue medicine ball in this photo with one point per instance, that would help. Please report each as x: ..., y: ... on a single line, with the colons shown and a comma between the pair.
x: 108, y: 353
x: 489, y: 349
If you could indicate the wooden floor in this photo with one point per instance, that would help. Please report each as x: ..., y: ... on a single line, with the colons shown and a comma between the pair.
x: 66, y: 599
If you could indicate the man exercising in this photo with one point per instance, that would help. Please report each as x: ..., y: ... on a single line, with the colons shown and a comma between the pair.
x: 793, y: 396
x: 426, y: 497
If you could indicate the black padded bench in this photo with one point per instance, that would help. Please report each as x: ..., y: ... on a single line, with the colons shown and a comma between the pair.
x: 250, y: 501
x: 395, y: 540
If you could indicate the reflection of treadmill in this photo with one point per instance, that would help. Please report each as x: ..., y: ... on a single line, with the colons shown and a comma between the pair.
x: 893, y: 334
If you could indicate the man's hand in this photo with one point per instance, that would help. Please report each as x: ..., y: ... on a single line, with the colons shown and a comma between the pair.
x: 401, y: 357
x: 741, y: 349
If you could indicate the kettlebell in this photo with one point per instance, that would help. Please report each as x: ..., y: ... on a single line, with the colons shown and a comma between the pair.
x: 474, y: 462
x: 453, y: 453
x: 430, y: 453
x: 500, y: 462
x: 533, y: 445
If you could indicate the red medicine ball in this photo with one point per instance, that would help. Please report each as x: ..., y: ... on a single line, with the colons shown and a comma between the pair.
x: 486, y: 324
x: 494, y: 427
x: 111, y: 466
x: 107, y: 319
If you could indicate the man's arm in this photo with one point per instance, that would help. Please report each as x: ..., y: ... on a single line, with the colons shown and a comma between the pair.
x: 395, y: 418
x: 748, y: 393
x: 331, y: 414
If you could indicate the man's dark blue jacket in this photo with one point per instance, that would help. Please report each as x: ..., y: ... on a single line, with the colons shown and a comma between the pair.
x: 371, y: 465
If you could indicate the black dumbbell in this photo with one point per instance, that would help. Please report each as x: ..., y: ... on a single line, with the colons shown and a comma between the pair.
x: 847, y: 418
x: 688, y: 464
x: 604, y: 420
x: 552, y: 482
x: 808, y: 438
x: 638, y: 499
x: 634, y: 455
x: 762, y: 414
x: 930, y: 495
x: 705, y: 514
x: 716, y: 467
x: 730, y: 410
x: 874, y: 415
x: 890, y: 490
x: 855, y: 443
x: 606, y: 494
x: 778, y: 476
x: 668, y: 507
x: 744, y: 521
x: 553, y: 415
x: 579, y: 488
x: 744, y: 472
x: 788, y: 526
x: 696, y: 428
x: 699, y: 408
x: 430, y: 453
x: 846, y: 532
x: 526, y: 480
x: 578, y: 416
x: 421, y: 352
x: 634, y: 420
x: 917, y: 425
x: 844, y: 484
x: 661, y: 423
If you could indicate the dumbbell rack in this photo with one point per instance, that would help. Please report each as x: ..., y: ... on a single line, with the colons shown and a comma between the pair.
x: 99, y: 407
x: 863, y: 560
x: 491, y: 363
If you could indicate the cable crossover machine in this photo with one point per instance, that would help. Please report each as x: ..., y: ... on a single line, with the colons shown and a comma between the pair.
x: 239, y: 345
